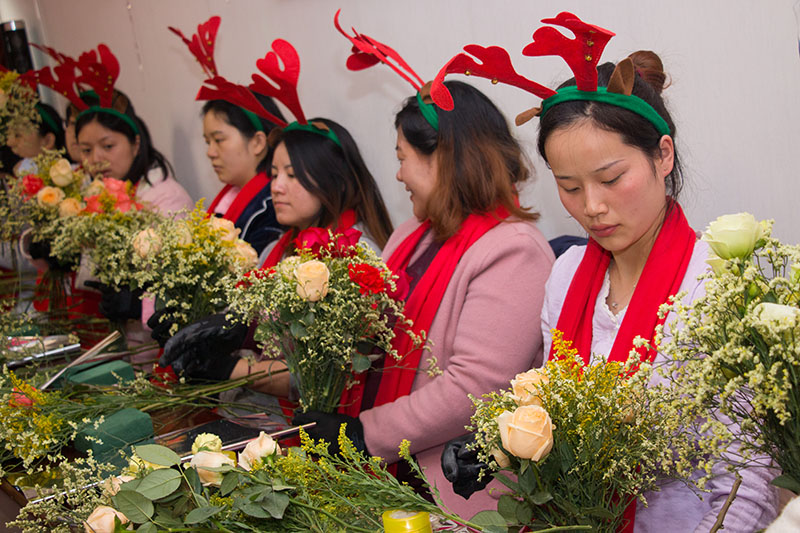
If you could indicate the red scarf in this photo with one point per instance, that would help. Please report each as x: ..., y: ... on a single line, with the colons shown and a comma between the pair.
x: 422, y: 305
x: 243, y: 198
x: 661, y: 278
x: 346, y: 220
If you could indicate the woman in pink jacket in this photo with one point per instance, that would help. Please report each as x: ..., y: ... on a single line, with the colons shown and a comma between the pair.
x: 476, y: 265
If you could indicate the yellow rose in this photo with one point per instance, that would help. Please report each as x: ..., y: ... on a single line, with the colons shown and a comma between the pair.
x: 206, y: 442
x: 96, y: 187
x: 112, y: 485
x: 146, y: 243
x: 61, y: 173
x: 525, y: 387
x: 527, y: 432
x: 69, y: 207
x: 245, y: 254
x: 49, y: 196
x: 734, y: 235
x: 312, y: 280
x: 258, y: 449
x: 203, y: 460
x: 227, y: 231
x: 102, y: 520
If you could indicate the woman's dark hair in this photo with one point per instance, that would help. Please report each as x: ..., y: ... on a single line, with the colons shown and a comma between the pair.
x: 479, y: 161
x: 635, y: 130
x: 46, y: 127
x: 147, y: 157
x: 236, y: 117
x: 338, y: 177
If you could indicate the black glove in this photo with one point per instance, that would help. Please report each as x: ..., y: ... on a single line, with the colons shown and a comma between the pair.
x: 202, y: 350
x: 327, y: 429
x: 41, y: 250
x: 461, y: 466
x: 118, y: 304
x: 160, y: 327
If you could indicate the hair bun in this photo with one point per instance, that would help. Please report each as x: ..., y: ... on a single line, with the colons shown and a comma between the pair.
x: 650, y: 68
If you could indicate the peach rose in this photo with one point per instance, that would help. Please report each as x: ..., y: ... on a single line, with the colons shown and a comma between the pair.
x: 258, y: 449
x: 203, y: 460
x: 245, y: 254
x: 312, y: 280
x: 227, y: 231
x: 69, y: 207
x: 500, y: 458
x: 525, y: 387
x: 102, y: 520
x: 61, y: 173
x: 49, y: 196
x: 146, y: 243
x: 526, y: 433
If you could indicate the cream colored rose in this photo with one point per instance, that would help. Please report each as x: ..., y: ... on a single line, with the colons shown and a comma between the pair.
x: 257, y: 449
x: 312, y: 280
x: 61, y: 173
x: 227, y: 231
x: 245, y: 255
x: 183, y: 235
x: 525, y: 387
x: 69, y: 207
x: 500, y: 458
x: 102, y: 520
x: 111, y: 485
x: 95, y: 187
x: 49, y: 196
x: 206, y: 442
x: 203, y: 460
x: 781, y: 315
x: 527, y: 432
x: 146, y: 243
x: 734, y: 235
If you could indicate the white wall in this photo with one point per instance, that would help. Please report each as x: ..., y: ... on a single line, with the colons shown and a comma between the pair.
x: 734, y: 65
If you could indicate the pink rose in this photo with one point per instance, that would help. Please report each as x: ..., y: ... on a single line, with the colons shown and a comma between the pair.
x: 115, y: 186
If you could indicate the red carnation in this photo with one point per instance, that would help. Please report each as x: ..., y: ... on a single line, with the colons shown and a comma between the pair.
x: 367, y: 277
x: 31, y: 184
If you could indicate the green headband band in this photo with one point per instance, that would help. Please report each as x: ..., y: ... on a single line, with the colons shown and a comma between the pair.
x: 629, y: 102
x: 254, y: 120
x: 329, y: 133
x: 429, y: 112
x: 49, y: 120
x: 125, y: 118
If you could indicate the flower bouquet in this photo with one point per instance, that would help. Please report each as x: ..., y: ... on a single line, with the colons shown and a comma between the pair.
x: 747, y: 326
x: 324, y: 311
x: 187, y: 264
x: 17, y: 105
x: 581, y: 443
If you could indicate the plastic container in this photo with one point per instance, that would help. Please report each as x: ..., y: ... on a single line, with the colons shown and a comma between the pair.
x: 395, y: 521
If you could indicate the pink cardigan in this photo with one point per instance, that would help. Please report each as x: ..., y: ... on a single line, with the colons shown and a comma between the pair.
x: 485, y: 331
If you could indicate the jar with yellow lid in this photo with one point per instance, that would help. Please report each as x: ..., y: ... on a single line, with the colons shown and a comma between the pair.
x: 396, y: 521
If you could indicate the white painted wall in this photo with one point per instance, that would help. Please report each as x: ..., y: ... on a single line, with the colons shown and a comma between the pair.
x: 734, y: 65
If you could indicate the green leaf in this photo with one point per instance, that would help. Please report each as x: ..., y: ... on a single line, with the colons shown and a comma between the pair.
x: 229, y: 482
x: 785, y: 481
x: 297, y: 330
x: 136, y: 507
x: 158, y: 455
x: 194, y: 480
x: 507, y: 506
x: 148, y: 527
x: 255, y: 510
x: 279, y: 485
x: 276, y: 504
x: 505, y: 480
x: 361, y: 363
x: 309, y: 317
x: 159, y: 483
x: 524, y: 513
x: 541, y: 497
x: 201, y: 514
x: 490, y: 521
x: 527, y: 481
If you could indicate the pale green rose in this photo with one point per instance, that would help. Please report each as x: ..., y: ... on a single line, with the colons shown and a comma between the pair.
x: 207, y: 442
x: 795, y: 273
x: 717, y: 264
x: 733, y: 236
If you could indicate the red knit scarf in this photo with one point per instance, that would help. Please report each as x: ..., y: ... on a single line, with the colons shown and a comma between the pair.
x: 661, y: 278
x: 245, y: 196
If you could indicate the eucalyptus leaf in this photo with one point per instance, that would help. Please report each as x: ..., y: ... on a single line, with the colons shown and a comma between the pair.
x: 361, y: 363
x: 276, y: 504
x: 159, y: 455
x: 136, y: 507
x: 786, y: 481
x: 147, y: 527
x: 229, y: 483
x: 159, y: 483
x: 297, y: 330
x: 490, y: 519
x: 201, y: 514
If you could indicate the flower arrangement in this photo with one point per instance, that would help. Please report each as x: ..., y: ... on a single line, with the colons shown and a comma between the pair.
x: 325, y: 311
x: 188, y: 263
x: 17, y: 105
x: 582, y: 442
x: 747, y: 328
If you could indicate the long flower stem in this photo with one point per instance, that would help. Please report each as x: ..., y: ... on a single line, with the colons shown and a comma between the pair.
x: 348, y: 527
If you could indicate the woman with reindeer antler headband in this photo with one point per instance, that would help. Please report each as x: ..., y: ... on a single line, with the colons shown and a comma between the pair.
x: 318, y: 179
x: 477, y: 266
x: 608, y: 138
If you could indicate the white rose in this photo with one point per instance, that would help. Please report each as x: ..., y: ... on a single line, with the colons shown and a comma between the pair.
x: 245, y: 255
x: 112, y: 484
x: 69, y: 207
x: 49, y: 196
x: 61, y: 173
x: 312, y: 280
x: 102, y: 520
x: 527, y: 432
x: 733, y: 236
x: 227, y: 231
x: 525, y: 387
x: 206, y: 442
x: 147, y: 242
x: 257, y: 449
x: 203, y: 460
x: 782, y: 315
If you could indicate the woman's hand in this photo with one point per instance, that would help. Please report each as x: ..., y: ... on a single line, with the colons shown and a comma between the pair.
x: 461, y: 466
x: 118, y: 304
